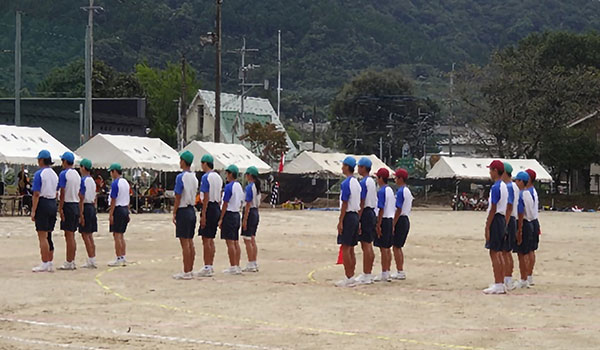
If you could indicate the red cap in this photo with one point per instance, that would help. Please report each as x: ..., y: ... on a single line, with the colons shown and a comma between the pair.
x: 496, y: 164
x: 531, y: 174
x: 401, y: 173
x: 383, y: 173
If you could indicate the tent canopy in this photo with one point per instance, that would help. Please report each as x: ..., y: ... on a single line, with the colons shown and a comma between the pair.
x: 226, y: 154
x: 476, y: 168
x: 21, y: 145
x: 327, y: 164
x: 132, y: 152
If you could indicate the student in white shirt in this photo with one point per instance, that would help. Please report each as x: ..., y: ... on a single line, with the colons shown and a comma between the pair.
x: 525, y: 232
x: 229, y: 223
x: 348, y: 222
x: 251, y: 218
x: 537, y: 231
x: 368, y: 220
x: 88, y: 221
x: 69, y: 183
x: 404, y: 199
x: 211, y: 186
x: 184, y: 213
x: 385, y: 224
x: 118, y: 215
x: 43, y: 209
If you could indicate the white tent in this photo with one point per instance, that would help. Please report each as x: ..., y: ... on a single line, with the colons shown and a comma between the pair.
x: 21, y: 145
x: 326, y: 164
x: 131, y: 152
x: 226, y: 154
x: 476, y: 168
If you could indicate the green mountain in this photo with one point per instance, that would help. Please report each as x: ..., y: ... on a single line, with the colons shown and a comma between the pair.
x: 325, y: 42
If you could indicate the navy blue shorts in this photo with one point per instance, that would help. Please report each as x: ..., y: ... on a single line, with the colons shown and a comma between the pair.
x: 45, y: 215
x: 387, y: 233
x: 527, y: 241
x: 71, y: 213
x: 497, y: 233
x: 401, y: 231
x: 536, y: 234
x: 510, y: 239
x: 349, y: 236
x: 90, y: 223
x: 368, y: 222
x: 252, y: 224
x: 231, y: 226
x: 185, y: 222
x: 120, y: 220
x: 213, y: 214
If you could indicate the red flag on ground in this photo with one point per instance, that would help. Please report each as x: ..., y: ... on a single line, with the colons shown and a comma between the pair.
x: 340, y: 259
x: 281, y: 162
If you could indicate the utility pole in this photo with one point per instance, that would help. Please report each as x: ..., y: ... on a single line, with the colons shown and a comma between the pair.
x: 380, y: 147
x: 451, y: 109
x: 89, y: 67
x: 244, y: 69
x: 314, y: 134
x: 181, y: 137
x: 217, y: 136
x: 18, y: 70
x: 279, y: 73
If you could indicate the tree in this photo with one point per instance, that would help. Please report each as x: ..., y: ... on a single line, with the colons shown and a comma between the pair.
x: 570, y: 149
x: 162, y: 88
x: 380, y: 104
x: 69, y: 81
x: 266, y: 140
x: 521, y: 95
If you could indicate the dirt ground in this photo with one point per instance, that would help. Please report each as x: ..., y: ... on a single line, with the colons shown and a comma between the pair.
x: 291, y: 303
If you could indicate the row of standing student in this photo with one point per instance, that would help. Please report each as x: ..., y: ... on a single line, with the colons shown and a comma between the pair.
x: 77, y: 200
x: 374, y: 218
x: 512, y: 226
x: 77, y: 210
x: 220, y: 210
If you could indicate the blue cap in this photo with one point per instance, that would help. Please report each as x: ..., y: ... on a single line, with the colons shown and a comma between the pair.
x: 68, y: 156
x: 44, y: 154
x: 366, y: 162
x: 523, y: 176
x: 350, y: 161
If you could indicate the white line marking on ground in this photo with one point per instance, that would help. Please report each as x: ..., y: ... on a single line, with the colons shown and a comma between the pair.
x: 46, y: 343
x: 137, y: 335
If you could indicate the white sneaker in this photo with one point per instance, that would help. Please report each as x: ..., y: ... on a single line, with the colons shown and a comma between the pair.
x: 43, y: 267
x: 183, y: 276
x: 521, y: 284
x: 530, y: 281
x: 204, y: 273
x: 382, y: 278
x: 495, y: 289
x: 117, y: 263
x: 68, y: 266
x: 510, y: 286
x: 89, y: 265
x: 346, y: 283
x: 400, y: 275
x: 250, y: 268
x: 233, y: 270
x: 364, y: 279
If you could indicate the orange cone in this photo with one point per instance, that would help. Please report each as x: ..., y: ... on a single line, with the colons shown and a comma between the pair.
x: 340, y: 259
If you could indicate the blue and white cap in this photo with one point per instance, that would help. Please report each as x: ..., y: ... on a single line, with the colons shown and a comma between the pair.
x: 523, y: 176
x: 366, y: 162
x: 44, y: 154
x: 68, y: 156
x: 349, y: 161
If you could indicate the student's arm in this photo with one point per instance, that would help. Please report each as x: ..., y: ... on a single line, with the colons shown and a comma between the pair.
x: 178, y: 190
x: 397, y: 215
x: 223, y: 211
x: 81, y: 216
x: 520, y: 229
x: 62, y: 182
x: 204, y: 189
x: 175, y: 207
x: 246, y: 213
x: 36, y: 188
x: 343, y: 209
x: 114, y: 192
x: 488, y: 222
x: 363, y: 196
x: 509, y: 203
x: 35, y: 199
x: 509, y: 209
x: 228, y: 193
x: 111, y: 211
x: 399, y: 205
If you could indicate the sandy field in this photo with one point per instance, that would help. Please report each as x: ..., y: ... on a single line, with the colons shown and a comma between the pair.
x: 291, y: 303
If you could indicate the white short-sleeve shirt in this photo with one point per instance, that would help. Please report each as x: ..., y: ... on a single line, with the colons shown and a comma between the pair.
x: 45, y: 181
x: 70, y: 182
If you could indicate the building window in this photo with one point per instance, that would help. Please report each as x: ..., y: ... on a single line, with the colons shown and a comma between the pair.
x: 200, y: 119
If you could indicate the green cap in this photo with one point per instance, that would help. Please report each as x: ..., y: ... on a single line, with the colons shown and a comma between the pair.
x: 187, y: 156
x: 233, y: 169
x: 207, y: 158
x: 86, y: 163
x: 508, y: 168
x: 114, y: 166
x: 252, y: 170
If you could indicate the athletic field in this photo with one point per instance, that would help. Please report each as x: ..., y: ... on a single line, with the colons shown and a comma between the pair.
x: 291, y: 303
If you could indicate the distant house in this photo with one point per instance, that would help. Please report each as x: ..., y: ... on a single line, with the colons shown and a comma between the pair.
x: 465, y: 141
x: 579, y: 176
x: 60, y: 116
x: 308, y: 146
x: 200, y: 118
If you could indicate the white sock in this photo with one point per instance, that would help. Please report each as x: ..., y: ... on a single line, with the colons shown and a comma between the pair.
x: 208, y: 267
x: 385, y: 274
x: 529, y: 278
x: 92, y: 260
x: 507, y: 280
x: 499, y: 285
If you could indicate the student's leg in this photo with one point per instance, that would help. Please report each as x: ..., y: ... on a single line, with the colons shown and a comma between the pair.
x: 44, y: 246
x: 368, y: 257
x: 186, y: 249
x: 238, y: 252
x: 208, y: 250
x: 50, y: 255
x: 192, y: 251
x: 349, y: 260
x: 231, y: 251
x: 508, y: 264
x: 249, y: 247
x: 386, y: 259
x: 90, y: 246
x: 254, y: 249
x: 117, y: 244
x: 123, y: 245
x: 399, y: 258
x: 497, y: 267
x: 523, y: 265
x: 531, y: 262
x: 71, y: 245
